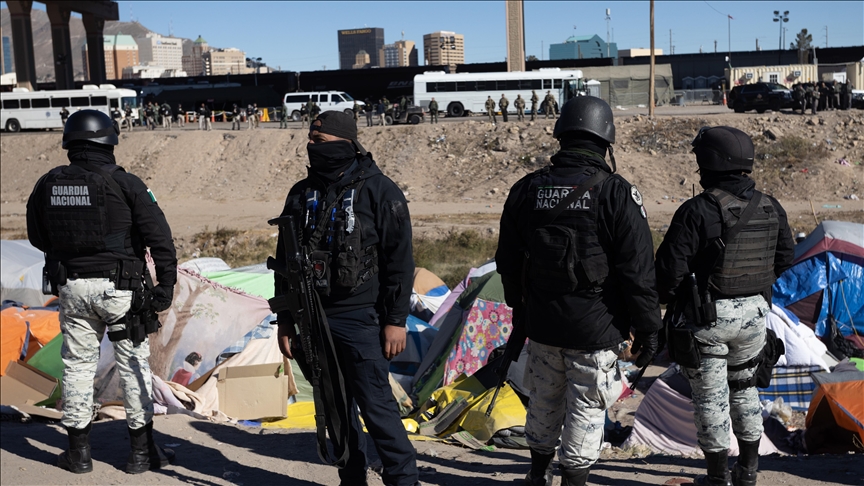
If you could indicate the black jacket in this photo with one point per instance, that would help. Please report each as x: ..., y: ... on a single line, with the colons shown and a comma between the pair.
x: 696, y: 223
x: 585, y: 320
x: 138, y: 217
x: 382, y: 212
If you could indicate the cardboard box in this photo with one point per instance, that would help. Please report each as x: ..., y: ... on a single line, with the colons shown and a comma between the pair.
x: 253, y: 392
x: 23, y: 386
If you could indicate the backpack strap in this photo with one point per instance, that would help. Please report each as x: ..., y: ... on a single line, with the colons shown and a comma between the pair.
x: 108, y: 175
x: 575, y: 194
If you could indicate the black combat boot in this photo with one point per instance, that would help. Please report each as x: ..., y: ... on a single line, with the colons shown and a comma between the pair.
x: 541, y: 469
x: 744, y: 470
x: 77, y: 458
x: 718, y: 470
x: 146, y: 455
x: 574, y: 477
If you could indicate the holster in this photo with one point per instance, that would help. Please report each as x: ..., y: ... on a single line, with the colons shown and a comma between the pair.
x: 53, y: 276
x: 141, y: 319
x: 130, y: 275
x: 683, y: 347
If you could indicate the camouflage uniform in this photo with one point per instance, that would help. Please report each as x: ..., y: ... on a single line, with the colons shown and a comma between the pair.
x: 519, y: 104
x: 534, y: 100
x: 549, y: 101
x: 571, y: 388
x: 739, y: 334
x: 490, y: 110
x: 88, y: 306
x: 433, y: 112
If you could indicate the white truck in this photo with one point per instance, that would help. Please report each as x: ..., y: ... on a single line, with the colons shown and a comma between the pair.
x: 326, y: 100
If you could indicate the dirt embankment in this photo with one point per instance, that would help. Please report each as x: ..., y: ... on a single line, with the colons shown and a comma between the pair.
x: 452, y: 170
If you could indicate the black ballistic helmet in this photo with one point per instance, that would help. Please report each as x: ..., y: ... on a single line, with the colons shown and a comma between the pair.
x: 91, y: 126
x: 723, y: 149
x: 587, y: 114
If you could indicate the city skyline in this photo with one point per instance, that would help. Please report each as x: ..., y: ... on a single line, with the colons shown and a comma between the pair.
x: 545, y: 23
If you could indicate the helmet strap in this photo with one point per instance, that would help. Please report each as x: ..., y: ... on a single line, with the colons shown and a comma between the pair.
x: 612, y: 159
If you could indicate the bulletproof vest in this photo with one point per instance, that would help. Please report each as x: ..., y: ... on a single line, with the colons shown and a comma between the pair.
x: 564, y: 255
x: 746, y: 266
x: 334, y: 236
x: 76, y: 212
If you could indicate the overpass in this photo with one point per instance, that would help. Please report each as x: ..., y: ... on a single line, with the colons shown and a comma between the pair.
x: 93, y: 13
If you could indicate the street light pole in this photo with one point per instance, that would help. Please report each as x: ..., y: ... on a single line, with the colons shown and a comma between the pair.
x: 781, y: 19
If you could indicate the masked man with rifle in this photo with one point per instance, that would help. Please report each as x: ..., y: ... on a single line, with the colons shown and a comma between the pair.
x: 576, y: 262
x: 344, y: 273
x: 94, y: 221
x: 722, y: 253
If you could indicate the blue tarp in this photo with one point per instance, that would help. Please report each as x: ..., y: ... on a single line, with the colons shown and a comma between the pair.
x: 840, y: 276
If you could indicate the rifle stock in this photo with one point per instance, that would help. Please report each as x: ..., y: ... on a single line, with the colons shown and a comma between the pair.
x: 512, y: 350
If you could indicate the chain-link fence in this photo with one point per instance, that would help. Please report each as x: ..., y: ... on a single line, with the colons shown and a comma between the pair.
x: 697, y: 96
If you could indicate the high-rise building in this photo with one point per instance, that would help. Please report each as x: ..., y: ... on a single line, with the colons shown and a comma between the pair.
x: 166, y: 52
x: 120, y: 51
x: 6, y: 59
x: 194, y: 62
x: 219, y: 62
x: 443, y: 48
x: 398, y: 54
x: 583, y: 47
x: 369, y: 39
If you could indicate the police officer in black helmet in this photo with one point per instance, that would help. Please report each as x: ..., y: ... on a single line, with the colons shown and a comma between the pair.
x: 94, y: 221
x: 588, y: 280
x: 736, y: 242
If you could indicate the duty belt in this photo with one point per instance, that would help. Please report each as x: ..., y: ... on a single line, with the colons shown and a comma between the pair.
x: 97, y: 274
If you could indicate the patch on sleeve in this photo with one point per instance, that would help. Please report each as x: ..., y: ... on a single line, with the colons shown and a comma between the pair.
x: 643, y: 212
x: 398, y: 210
x: 152, y: 196
x: 636, y: 195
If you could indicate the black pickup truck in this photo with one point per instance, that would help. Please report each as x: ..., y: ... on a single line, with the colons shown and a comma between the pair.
x: 760, y: 97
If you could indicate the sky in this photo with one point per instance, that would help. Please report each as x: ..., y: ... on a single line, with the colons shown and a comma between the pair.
x: 301, y: 36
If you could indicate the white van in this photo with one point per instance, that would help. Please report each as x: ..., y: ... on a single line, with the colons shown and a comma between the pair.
x: 326, y: 100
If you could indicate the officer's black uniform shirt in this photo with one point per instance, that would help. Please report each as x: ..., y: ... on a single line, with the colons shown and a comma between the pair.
x: 382, y: 212
x: 696, y: 223
x: 585, y: 320
x: 138, y: 217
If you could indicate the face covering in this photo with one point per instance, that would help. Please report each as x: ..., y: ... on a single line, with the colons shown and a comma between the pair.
x: 329, y: 159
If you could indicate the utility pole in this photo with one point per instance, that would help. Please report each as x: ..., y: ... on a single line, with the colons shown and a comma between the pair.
x: 781, y: 19
x: 608, y: 19
x: 670, y: 42
x: 715, y: 46
x: 826, y: 37
x: 651, y: 69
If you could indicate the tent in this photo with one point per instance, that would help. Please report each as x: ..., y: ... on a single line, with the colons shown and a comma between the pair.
x: 24, y: 331
x: 21, y: 273
x: 827, y: 279
x: 476, y: 322
x: 427, y: 295
x: 664, y: 420
x: 835, y: 420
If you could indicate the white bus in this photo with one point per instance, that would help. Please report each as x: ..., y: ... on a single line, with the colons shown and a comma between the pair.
x: 23, y: 109
x: 460, y: 93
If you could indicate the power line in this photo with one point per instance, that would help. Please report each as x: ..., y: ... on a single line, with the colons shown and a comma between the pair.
x: 714, y: 9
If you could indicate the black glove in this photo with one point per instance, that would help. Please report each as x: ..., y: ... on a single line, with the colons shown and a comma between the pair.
x: 646, y: 344
x: 163, y: 296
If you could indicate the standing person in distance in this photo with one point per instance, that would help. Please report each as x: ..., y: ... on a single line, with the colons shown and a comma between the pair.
x: 369, y: 286
x: 737, y: 275
x: 433, y: 111
x: 503, y: 104
x: 519, y: 104
x: 534, y: 100
x: 94, y: 222
x: 581, y: 302
x: 490, y: 110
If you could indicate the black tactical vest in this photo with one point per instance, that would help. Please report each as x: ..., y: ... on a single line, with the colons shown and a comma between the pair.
x: 76, y: 212
x: 746, y: 266
x: 564, y: 255
x: 334, y: 236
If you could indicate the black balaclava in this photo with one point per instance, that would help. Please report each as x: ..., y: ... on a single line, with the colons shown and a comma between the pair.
x: 82, y: 150
x: 328, y: 160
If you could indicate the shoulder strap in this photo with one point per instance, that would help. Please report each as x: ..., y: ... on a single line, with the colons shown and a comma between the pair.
x: 575, y: 194
x: 109, y: 178
x: 730, y: 234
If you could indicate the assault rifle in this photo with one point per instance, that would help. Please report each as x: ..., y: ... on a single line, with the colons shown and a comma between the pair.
x: 515, y: 343
x: 318, y: 361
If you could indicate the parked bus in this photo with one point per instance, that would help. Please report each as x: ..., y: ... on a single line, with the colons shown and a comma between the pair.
x: 461, y: 93
x: 23, y: 109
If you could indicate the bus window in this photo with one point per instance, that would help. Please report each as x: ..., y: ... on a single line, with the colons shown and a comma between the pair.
x: 557, y: 83
x: 512, y: 84
x: 547, y: 84
x: 431, y: 87
x: 81, y: 101
x: 59, y: 102
x: 449, y: 87
x: 40, y: 103
x: 462, y: 86
x: 101, y: 101
x: 483, y: 85
x: 10, y: 104
x: 25, y: 103
x: 129, y: 100
x: 115, y: 103
x: 313, y: 98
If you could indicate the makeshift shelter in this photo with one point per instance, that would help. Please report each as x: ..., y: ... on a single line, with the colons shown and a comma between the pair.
x: 664, y: 420
x: 427, y: 295
x: 253, y: 279
x: 21, y: 273
x: 835, y: 420
x: 477, y: 322
x: 24, y: 331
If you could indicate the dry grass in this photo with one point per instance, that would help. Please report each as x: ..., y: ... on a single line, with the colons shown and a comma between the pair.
x: 671, y: 136
x: 787, y: 153
x: 237, y: 248
x: 452, y: 256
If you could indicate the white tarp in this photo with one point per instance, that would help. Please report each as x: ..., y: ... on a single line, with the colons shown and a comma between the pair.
x: 21, y: 271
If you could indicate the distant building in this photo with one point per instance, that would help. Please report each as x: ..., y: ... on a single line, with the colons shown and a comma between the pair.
x: 218, y: 62
x: 120, y: 51
x: 194, y: 62
x: 398, y: 54
x: 6, y: 59
x: 583, y: 47
x: 639, y: 52
x: 166, y: 52
x: 351, y: 42
x: 443, y: 48
x: 361, y: 60
x: 151, y: 71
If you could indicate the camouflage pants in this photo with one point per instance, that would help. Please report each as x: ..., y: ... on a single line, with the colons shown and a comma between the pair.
x: 739, y: 334
x: 573, y: 389
x: 87, y: 307
x: 491, y: 113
